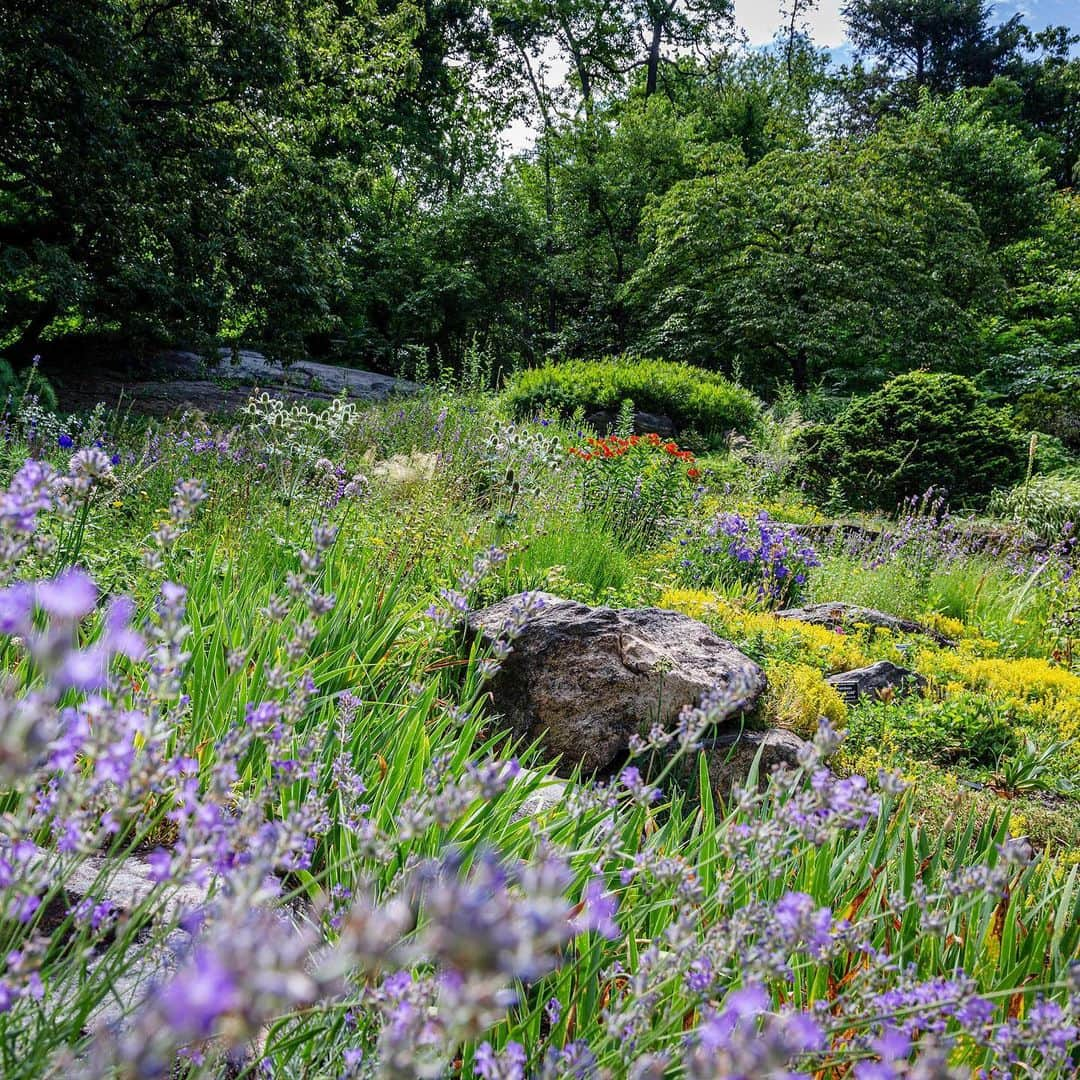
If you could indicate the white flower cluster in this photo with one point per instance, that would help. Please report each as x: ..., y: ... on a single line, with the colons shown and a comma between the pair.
x: 282, y: 422
x: 523, y: 448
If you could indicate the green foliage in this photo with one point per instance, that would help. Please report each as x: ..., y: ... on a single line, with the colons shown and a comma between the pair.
x: 16, y: 388
x: 918, y: 431
x: 706, y: 401
x: 184, y: 171
x: 963, y: 728
x: 810, y: 264
x: 955, y: 145
x: 1052, y: 412
x: 583, y: 561
x: 1031, y: 768
x: 1043, y: 504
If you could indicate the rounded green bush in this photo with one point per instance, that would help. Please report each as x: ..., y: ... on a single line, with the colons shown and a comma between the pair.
x: 920, y: 430
x: 691, y: 397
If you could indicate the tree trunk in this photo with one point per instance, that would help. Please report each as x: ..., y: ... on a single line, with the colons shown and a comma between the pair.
x: 25, y: 349
x: 800, y: 374
x: 653, y: 68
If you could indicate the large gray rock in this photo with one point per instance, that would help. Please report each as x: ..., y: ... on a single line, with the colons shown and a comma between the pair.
x: 730, y: 760
x: 840, y: 616
x: 645, y: 423
x: 176, y: 381
x: 583, y: 680
x: 879, y: 682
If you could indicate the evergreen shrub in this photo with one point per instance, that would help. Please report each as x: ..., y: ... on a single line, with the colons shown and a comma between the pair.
x: 691, y: 397
x: 919, y: 431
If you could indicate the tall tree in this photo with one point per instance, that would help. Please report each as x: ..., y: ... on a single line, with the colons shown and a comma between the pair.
x: 811, y: 264
x: 939, y: 44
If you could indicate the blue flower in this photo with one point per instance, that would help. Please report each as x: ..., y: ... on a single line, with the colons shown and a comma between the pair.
x: 65, y: 442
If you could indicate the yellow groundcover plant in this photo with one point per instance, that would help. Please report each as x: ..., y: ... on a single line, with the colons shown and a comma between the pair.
x: 1043, y: 694
x: 798, y: 696
x: 790, y: 639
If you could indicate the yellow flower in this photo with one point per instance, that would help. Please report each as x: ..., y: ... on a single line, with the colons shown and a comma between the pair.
x: 798, y: 696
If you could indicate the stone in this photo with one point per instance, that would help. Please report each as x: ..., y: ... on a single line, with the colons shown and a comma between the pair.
x: 841, y: 616
x: 583, y: 679
x: 730, y: 759
x: 176, y: 381
x: 126, y: 883
x: 880, y: 682
x: 603, y: 422
x: 547, y: 794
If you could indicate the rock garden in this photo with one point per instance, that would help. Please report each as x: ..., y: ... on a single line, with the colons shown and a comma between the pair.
x: 468, y: 734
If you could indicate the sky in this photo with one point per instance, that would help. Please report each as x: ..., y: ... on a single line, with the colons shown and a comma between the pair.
x: 760, y: 18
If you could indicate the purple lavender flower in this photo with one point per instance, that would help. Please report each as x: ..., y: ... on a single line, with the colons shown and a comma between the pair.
x: 70, y: 596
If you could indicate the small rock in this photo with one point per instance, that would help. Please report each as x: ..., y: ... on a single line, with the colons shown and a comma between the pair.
x: 841, y: 616
x: 548, y: 793
x: 878, y: 681
x: 583, y: 680
x: 730, y: 761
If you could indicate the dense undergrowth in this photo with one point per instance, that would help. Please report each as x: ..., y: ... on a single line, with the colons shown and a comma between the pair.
x: 284, y: 715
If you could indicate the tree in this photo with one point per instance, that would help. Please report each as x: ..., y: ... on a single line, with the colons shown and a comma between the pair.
x: 1040, y: 94
x: 604, y: 174
x: 811, y: 264
x: 185, y: 171
x: 938, y: 44
x: 433, y: 283
x: 958, y: 145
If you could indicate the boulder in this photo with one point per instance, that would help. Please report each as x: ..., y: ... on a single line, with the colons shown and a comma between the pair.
x: 879, y: 681
x: 841, y: 616
x: 731, y: 759
x: 604, y: 420
x: 583, y: 680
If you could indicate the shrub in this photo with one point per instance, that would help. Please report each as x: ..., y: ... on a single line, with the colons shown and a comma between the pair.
x: 1053, y: 411
x: 918, y: 431
x: 692, y: 398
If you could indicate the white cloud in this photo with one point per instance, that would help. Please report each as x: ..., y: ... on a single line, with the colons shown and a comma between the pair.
x: 761, y: 19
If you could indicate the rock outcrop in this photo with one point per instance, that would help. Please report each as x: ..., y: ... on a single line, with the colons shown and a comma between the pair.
x: 881, y: 681
x: 730, y: 760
